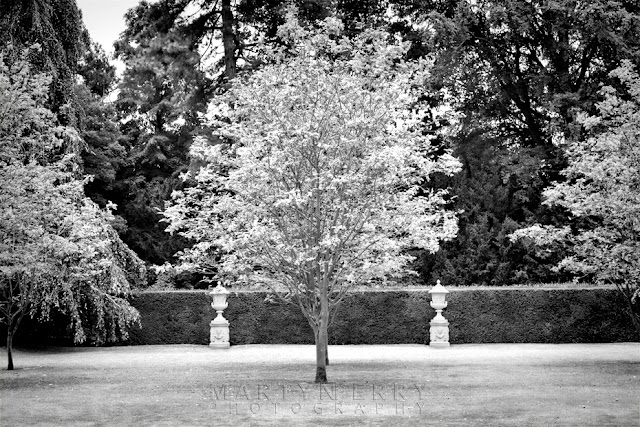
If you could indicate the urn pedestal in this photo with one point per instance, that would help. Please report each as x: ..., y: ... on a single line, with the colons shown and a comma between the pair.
x: 439, y: 326
x: 219, y: 327
x: 439, y: 333
x: 219, y: 336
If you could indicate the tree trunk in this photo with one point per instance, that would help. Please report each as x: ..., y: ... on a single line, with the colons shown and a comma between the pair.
x: 12, y: 327
x: 321, y: 354
x: 322, y: 337
x: 326, y: 348
x: 228, y: 40
x: 10, y: 332
x: 628, y: 294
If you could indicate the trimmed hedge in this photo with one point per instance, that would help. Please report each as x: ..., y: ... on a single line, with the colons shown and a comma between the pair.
x: 518, y: 315
x: 522, y: 315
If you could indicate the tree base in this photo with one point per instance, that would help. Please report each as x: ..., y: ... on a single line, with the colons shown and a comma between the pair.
x: 321, y: 375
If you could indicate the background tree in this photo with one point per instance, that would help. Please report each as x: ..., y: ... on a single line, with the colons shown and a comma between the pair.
x: 516, y: 73
x: 600, y: 191
x: 104, y: 151
x: 58, y: 253
x: 161, y: 99
x: 317, y: 187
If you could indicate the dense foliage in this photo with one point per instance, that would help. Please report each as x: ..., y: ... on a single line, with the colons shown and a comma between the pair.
x: 517, y: 72
x: 57, y: 27
x: 601, y: 191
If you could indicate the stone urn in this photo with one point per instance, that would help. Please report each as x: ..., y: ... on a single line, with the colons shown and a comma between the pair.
x: 219, y: 327
x: 439, y: 330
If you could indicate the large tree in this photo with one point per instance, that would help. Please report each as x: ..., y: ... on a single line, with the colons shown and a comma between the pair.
x: 315, y: 183
x: 600, y: 191
x: 58, y: 252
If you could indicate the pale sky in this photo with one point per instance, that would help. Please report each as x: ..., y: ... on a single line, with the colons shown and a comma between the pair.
x: 105, y: 19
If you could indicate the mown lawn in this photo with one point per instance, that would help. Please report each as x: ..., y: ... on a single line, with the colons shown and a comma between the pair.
x: 398, y: 385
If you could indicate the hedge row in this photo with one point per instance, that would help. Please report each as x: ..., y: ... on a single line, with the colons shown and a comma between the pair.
x: 395, y: 317
x: 523, y: 315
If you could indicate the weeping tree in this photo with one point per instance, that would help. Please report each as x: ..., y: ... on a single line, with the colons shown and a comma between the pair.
x: 316, y: 183
x: 58, y: 251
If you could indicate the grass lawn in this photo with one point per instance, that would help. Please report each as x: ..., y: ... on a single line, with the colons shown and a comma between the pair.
x: 394, y: 385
